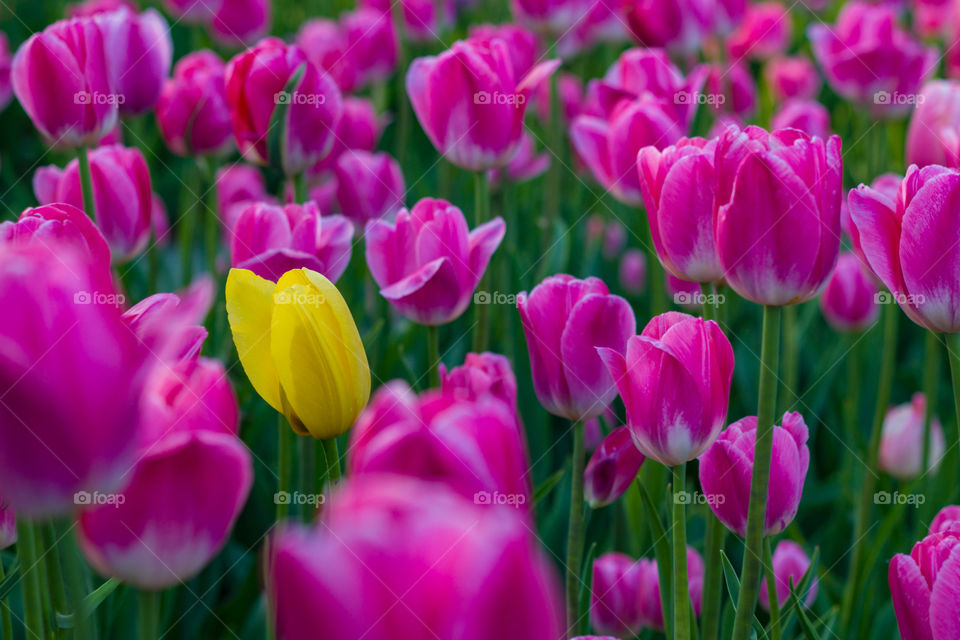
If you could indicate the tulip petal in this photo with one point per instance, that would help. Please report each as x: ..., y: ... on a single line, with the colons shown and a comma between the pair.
x: 945, y: 599
x: 249, y: 311
x: 876, y: 220
x: 911, y: 598
x: 483, y: 241
x: 430, y: 295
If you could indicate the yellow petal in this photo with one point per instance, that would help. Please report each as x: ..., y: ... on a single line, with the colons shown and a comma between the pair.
x: 249, y: 311
x: 320, y: 359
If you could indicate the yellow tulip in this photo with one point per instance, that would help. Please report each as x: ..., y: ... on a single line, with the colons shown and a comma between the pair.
x: 300, y: 348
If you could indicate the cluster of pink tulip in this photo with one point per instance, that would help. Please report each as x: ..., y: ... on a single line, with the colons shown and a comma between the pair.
x: 132, y: 443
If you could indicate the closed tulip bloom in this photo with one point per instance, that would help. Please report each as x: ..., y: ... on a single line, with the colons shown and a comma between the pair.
x: 869, y: 59
x: 271, y: 240
x: 678, y: 190
x: 325, y: 44
x: 87, y: 8
x: 765, y: 31
x: 679, y: 27
x: 522, y: 44
x: 139, y: 51
x: 372, y: 42
x: 192, y: 110
x: 565, y: 320
x: 901, y: 442
x: 947, y: 520
x: 908, y: 242
x: 369, y: 185
x: 790, y: 564
x: 611, y: 468
x: 239, y: 186
x: 675, y: 384
x: 61, y: 78
x: 808, y: 116
x: 121, y: 190
x: 727, y: 466
x: 471, y: 103
x: 793, y: 77
x: 240, y: 23
x: 6, y: 62
x: 934, y: 133
x: 615, y: 596
x: 479, y: 375
x: 194, y: 11
x: 932, y: 17
x: 428, y: 263
x: 778, y: 217
x: 423, y: 20
x: 256, y: 82
x: 633, y: 271
x: 468, y: 571
x: 925, y: 588
x: 849, y: 300
x: 651, y: 609
x: 359, y: 128
x: 300, y: 348
x: 731, y: 89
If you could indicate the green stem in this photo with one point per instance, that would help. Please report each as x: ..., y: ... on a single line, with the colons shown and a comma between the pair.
x: 681, y: 597
x: 575, y: 531
x: 756, y: 514
x: 712, y: 587
x: 86, y: 183
x: 51, y: 562
x: 891, y: 318
x: 790, y: 357
x: 212, y: 232
x: 6, y: 623
x: 332, y: 453
x: 285, y: 438
x: 553, y: 178
x: 84, y: 626
x: 300, y: 188
x: 149, y: 608
x: 30, y: 579
x: 771, y: 591
x: 953, y: 345
x: 931, y: 371
x: 307, y: 454
x: 709, y: 311
x: 403, y: 106
x: 482, y: 214
x: 433, y: 355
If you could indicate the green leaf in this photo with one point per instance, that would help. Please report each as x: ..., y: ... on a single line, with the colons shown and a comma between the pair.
x: 661, y: 545
x: 586, y: 587
x: 805, y: 624
x: 277, y: 131
x: 803, y: 587
x: 733, y: 589
x: 547, y: 485
x: 10, y: 580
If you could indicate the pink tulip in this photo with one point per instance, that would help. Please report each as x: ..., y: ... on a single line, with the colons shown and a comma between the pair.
x: 526, y: 164
x: 947, y: 520
x: 685, y: 294
x: 600, y: 22
x: 908, y: 242
x: 901, y: 442
x: 651, y: 610
x: 372, y: 42
x: 730, y: 89
x: 808, y: 116
x: 675, y: 384
x: 370, y: 186
x: 790, y: 564
x: 522, y: 44
x: 727, y: 466
x: 6, y: 62
x: 271, y: 240
x: 88, y: 8
x: 794, y: 77
x: 423, y: 20
x: 471, y: 103
x: 889, y: 185
x: 194, y: 11
x: 359, y: 128
x: 778, y: 218
x: 238, y: 186
x: 61, y: 78
x: 849, y: 301
x: 427, y: 263
x: 192, y: 112
x: 121, y: 189
x: 555, y: 17
x: 467, y: 571
x: 256, y: 82
x: 683, y: 25
x: 479, y: 375
x: 240, y: 23
x: 8, y: 526
x: 615, y: 596
x: 869, y: 59
x: 614, y: 239
x: 611, y: 469
x: 925, y: 587
x: 565, y: 321
x: 171, y: 324
x: 765, y: 31
x: 934, y: 133
x: 139, y: 51
x: 679, y: 190
x: 932, y: 17
x: 191, y: 480
x: 633, y: 271
x: 325, y: 44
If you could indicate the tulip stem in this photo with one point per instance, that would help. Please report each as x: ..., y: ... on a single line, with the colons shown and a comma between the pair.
x: 712, y: 586
x: 553, y: 178
x: 771, y: 591
x: 332, y: 454
x: 681, y: 597
x: 575, y: 531
x: 481, y: 214
x: 84, y: 627
x: 30, y: 579
x: 6, y: 622
x: 149, y: 608
x: 891, y: 318
x: 433, y: 355
x: 299, y: 188
x: 756, y: 514
x: 307, y: 455
x: 953, y: 344
x: 284, y: 467
x: 931, y: 370
x: 86, y: 183
x: 790, y: 357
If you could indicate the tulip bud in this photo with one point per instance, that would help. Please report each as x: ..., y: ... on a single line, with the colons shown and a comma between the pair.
x: 428, y: 262
x: 651, y: 609
x: 422, y: 19
x: 237, y: 23
x: 675, y: 384
x: 300, y: 348
x: 611, y: 469
x: 794, y: 77
x: 192, y: 111
x: 479, y: 375
x: 6, y: 61
x: 565, y: 320
x: 727, y: 467
x: 615, y: 596
x: 633, y: 271
x: 765, y: 31
x: 139, y: 51
x: 790, y: 564
x: 238, y: 186
x: 372, y: 44
x: 849, y: 300
x: 925, y: 588
x: 934, y: 133
x: 901, y: 442
x: 369, y: 185
x: 808, y: 116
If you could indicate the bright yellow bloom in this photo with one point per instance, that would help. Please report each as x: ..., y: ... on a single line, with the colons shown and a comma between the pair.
x: 300, y: 348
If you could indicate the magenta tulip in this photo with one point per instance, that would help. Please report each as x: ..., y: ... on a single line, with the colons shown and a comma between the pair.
x: 765, y: 31
x: 901, y: 442
x: 651, y: 609
x: 808, y: 116
x: 121, y: 188
x: 240, y: 23
x: 423, y: 20
x: 194, y: 11
x: 256, y: 82
x: 359, y: 128
x: 934, y: 133
x: 790, y: 564
x: 869, y: 59
x: 611, y: 469
x: 730, y: 89
x: 61, y: 78
x: 471, y: 103
x: 794, y: 77
x: 192, y: 112
x: 727, y: 466
x: 522, y: 44
x: 679, y: 26
x: 239, y: 186
x: 372, y: 44
x: 849, y: 301
x: 615, y: 596
x: 925, y: 587
x: 778, y: 218
x: 565, y: 320
x: 908, y: 242
x: 467, y: 571
x: 271, y: 240
x: 325, y: 44
x: 675, y: 384
x: 6, y: 62
x: 139, y: 51
x: 427, y: 263
x: 932, y: 17
x: 679, y: 188
x: 633, y: 271
x: 171, y: 324
x: 947, y: 520
x: 479, y: 375
x: 370, y: 186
